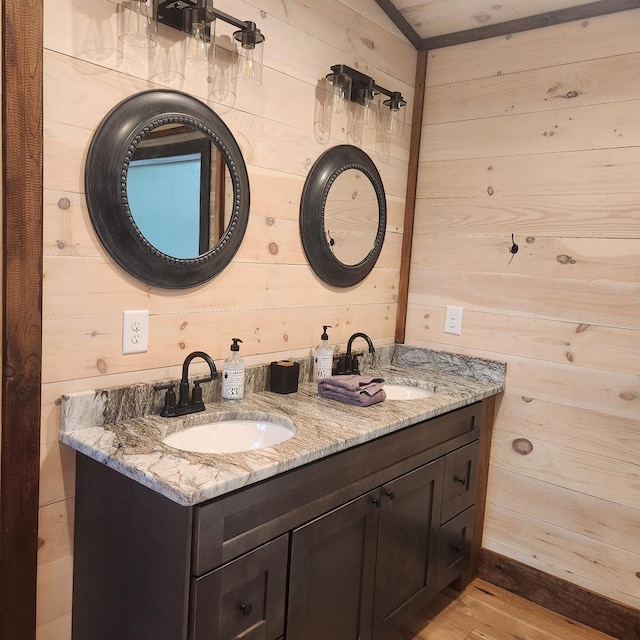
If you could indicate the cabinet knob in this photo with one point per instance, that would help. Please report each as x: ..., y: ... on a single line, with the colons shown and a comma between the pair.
x: 460, y: 480
x: 376, y: 501
x: 456, y: 548
x: 390, y: 494
x: 246, y: 609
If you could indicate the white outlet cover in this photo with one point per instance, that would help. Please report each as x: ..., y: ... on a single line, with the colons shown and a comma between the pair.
x: 453, y: 320
x: 135, y: 331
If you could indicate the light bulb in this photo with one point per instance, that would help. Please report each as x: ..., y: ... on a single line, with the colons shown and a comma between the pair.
x: 197, y: 47
x: 250, y: 65
x: 395, y: 123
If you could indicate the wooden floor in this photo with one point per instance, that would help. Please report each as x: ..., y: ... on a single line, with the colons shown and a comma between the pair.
x: 486, y: 612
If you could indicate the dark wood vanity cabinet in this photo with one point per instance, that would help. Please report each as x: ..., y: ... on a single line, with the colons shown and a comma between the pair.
x: 341, y: 548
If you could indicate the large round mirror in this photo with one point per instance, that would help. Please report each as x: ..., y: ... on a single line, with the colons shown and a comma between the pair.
x: 167, y: 189
x: 343, y: 216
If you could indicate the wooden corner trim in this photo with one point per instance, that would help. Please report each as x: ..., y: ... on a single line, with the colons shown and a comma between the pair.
x: 567, y: 599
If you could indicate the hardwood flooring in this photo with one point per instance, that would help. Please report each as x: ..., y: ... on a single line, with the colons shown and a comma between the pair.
x: 486, y: 612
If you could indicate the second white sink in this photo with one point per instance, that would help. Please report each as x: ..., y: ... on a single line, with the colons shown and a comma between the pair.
x: 230, y: 436
x: 406, y: 392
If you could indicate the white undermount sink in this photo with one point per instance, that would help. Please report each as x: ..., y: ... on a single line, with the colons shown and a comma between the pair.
x: 231, y: 436
x: 406, y: 392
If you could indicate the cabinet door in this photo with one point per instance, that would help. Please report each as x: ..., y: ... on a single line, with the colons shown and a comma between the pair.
x: 454, y: 548
x: 245, y: 599
x: 459, y: 489
x: 407, y: 545
x: 332, y: 574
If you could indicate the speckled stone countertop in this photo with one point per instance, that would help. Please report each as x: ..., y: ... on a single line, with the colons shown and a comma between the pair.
x: 103, y: 424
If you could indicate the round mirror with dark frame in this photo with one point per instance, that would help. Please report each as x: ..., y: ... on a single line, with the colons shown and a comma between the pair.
x: 343, y: 216
x: 167, y: 189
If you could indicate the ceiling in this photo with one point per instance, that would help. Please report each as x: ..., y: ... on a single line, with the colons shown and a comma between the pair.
x: 430, y: 24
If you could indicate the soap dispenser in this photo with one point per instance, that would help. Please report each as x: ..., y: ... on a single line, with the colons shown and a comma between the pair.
x: 323, y: 356
x: 233, y: 370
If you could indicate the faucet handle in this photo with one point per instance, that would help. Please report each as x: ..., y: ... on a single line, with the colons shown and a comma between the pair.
x: 169, y: 409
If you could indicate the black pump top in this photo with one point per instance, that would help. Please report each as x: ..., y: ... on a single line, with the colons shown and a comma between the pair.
x: 235, y: 346
x: 324, y: 335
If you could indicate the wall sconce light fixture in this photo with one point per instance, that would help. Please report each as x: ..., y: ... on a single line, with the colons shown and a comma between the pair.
x: 196, y: 19
x: 351, y: 85
x: 138, y: 27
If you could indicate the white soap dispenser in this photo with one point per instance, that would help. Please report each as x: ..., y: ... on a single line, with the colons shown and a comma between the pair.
x: 233, y: 370
x: 323, y: 356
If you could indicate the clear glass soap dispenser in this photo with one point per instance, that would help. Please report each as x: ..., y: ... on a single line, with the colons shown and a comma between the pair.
x: 323, y: 356
x: 233, y: 370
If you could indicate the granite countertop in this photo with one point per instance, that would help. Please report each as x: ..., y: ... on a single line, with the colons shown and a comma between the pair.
x: 134, y: 446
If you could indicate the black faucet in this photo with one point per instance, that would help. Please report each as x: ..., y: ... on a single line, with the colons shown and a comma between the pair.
x: 185, y: 404
x: 348, y: 363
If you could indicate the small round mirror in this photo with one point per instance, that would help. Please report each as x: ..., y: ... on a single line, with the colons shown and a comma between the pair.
x: 343, y: 216
x: 167, y: 189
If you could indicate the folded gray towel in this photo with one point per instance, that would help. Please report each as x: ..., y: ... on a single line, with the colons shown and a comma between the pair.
x: 360, y: 399
x: 351, y: 384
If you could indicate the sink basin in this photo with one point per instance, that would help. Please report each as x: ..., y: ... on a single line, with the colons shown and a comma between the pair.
x: 406, y: 392
x: 230, y: 436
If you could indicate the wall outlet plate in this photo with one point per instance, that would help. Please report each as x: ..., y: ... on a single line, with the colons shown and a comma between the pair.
x: 135, y: 331
x: 453, y: 320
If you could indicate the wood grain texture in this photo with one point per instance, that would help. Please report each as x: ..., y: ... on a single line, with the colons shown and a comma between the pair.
x: 269, y: 294
x: 539, y: 21
x: 409, y: 216
x: 21, y: 313
x: 527, y: 135
x: 484, y: 611
x: 561, y: 596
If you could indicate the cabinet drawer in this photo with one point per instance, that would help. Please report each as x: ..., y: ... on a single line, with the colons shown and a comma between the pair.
x: 454, y: 547
x: 459, y: 488
x: 245, y: 599
x: 233, y: 524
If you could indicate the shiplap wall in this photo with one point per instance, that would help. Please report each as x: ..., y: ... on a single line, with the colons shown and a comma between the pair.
x: 538, y: 134
x: 269, y: 296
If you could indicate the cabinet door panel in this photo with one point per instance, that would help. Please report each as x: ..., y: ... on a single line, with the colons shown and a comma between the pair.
x: 459, y: 489
x: 407, y: 544
x: 332, y: 574
x: 245, y: 599
x: 454, y: 548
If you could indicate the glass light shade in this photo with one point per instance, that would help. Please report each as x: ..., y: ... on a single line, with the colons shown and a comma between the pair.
x: 225, y: 71
x: 250, y: 64
x: 139, y: 26
x: 341, y: 87
x: 197, y: 49
x: 395, y: 122
x: 368, y: 111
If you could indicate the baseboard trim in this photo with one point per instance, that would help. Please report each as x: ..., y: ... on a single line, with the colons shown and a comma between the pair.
x: 596, y: 611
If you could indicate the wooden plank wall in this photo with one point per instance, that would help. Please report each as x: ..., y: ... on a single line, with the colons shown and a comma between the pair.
x: 537, y: 135
x: 269, y: 296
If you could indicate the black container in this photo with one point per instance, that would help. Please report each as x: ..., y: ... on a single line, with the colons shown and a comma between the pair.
x: 283, y: 376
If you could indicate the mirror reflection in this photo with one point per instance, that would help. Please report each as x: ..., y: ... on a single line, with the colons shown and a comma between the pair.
x: 179, y: 193
x: 351, y: 217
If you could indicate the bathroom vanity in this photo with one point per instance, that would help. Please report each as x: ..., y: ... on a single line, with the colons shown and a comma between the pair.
x: 338, y: 540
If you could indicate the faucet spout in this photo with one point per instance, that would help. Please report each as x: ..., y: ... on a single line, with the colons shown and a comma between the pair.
x: 360, y: 335
x: 183, y: 399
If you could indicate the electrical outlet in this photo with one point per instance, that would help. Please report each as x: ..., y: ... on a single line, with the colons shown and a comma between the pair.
x: 135, y: 331
x: 453, y: 320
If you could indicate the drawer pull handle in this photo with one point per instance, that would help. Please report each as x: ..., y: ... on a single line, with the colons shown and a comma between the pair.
x: 460, y: 480
x: 246, y: 609
x: 391, y: 495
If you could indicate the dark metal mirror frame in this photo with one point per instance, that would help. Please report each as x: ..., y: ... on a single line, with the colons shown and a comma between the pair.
x: 316, y: 189
x: 110, y: 153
